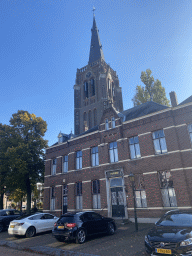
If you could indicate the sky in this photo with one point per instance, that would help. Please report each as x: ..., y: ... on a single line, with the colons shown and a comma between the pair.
x: 43, y: 42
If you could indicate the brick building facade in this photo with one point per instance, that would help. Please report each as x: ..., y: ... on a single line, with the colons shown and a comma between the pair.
x: 90, y: 170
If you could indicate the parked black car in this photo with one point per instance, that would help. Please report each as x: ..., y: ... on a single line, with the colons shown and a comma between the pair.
x: 6, y: 216
x: 79, y: 225
x: 172, y: 234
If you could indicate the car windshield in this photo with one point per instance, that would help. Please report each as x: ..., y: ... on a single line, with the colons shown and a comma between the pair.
x: 24, y: 216
x: 176, y: 219
x: 68, y: 219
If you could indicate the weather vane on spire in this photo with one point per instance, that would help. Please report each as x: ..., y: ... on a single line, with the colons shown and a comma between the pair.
x: 93, y: 11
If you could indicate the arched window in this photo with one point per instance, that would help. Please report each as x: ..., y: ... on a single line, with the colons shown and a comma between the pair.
x: 109, y: 84
x: 90, y: 119
x: 95, y: 116
x: 109, y: 87
x: 85, y: 116
x: 113, y: 89
x: 103, y: 91
x: 86, y: 92
x: 92, y: 87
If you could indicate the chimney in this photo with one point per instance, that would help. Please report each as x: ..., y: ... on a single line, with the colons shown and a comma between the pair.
x: 173, y: 98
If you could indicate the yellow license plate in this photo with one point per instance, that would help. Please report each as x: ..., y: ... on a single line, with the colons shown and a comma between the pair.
x: 60, y: 227
x: 165, y: 251
x: 12, y: 226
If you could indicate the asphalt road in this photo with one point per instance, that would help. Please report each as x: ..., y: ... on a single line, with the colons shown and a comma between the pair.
x: 124, y: 242
x: 6, y: 251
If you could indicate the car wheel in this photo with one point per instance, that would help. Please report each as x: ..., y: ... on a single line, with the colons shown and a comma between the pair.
x: 110, y: 229
x: 80, y: 236
x: 1, y: 227
x: 60, y: 239
x: 30, y: 232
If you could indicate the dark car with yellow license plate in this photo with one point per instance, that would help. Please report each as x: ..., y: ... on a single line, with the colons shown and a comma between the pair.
x: 77, y: 226
x: 6, y: 216
x: 171, y: 235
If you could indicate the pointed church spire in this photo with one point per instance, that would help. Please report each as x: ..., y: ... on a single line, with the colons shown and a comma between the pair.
x: 96, y: 51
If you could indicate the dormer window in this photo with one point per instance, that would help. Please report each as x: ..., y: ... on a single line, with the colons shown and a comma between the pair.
x: 60, y: 139
x: 106, y: 124
x: 113, y: 122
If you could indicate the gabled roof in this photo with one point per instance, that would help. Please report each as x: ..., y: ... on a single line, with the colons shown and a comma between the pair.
x: 141, y: 110
x: 188, y: 100
x: 67, y: 137
x: 93, y: 129
x: 96, y: 51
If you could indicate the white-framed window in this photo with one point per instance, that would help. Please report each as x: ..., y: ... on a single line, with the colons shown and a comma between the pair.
x: 159, y: 142
x: 141, y: 201
x: 54, y: 166
x: 134, y: 147
x: 79, y: 198
x: 167, y: 189
x: 96, y: 194
x: 95, y: 156
x: 65, y: 164
x: 190, y: 131
x: 113, y: 152
x: 79, y: 160
x: 52, y: 204
x: 113, y: 122
x: 106, y: 124
x: 140, y: 194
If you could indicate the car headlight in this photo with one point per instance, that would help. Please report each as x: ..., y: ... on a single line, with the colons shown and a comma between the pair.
x: 186, y: 242
x: 20, y: 224
x: 146, y: 239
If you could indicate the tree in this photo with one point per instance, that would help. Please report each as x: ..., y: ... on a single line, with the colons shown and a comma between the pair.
x: 7, y: 139
x: 17, y: 196
x: 153, y: 90
x: 26, y: 158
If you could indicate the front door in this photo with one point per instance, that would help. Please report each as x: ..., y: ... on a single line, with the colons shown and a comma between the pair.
x: 117, y: 202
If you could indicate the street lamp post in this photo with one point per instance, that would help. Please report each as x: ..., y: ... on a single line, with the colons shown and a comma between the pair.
x: 132, y: 180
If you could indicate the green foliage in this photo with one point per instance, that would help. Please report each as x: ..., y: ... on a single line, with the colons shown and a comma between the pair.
x: 7, y: 139
x: 25, y: 153
x: 17, y: 195
x: 152, y: 91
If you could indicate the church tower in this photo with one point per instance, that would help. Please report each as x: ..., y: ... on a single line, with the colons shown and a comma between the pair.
x: 97, y: 87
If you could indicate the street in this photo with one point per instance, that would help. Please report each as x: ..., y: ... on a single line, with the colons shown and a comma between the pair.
x: 124, y: 242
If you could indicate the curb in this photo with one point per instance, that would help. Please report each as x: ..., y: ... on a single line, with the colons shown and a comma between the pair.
x: 44, y: 250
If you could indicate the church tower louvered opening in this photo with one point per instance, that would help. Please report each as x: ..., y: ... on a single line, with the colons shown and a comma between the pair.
x: 96, y: 88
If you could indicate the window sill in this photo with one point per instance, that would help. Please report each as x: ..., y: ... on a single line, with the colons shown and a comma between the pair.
x: 162, y: 154
x: 135, y: 159
x: 114, y: 162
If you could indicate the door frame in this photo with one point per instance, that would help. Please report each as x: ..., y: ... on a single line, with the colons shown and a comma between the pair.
x: 111, y: 174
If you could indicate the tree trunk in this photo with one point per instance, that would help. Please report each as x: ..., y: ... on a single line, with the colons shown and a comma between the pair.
x: 1, y: 200
x: 21, y: 204
x: 28, y: 196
